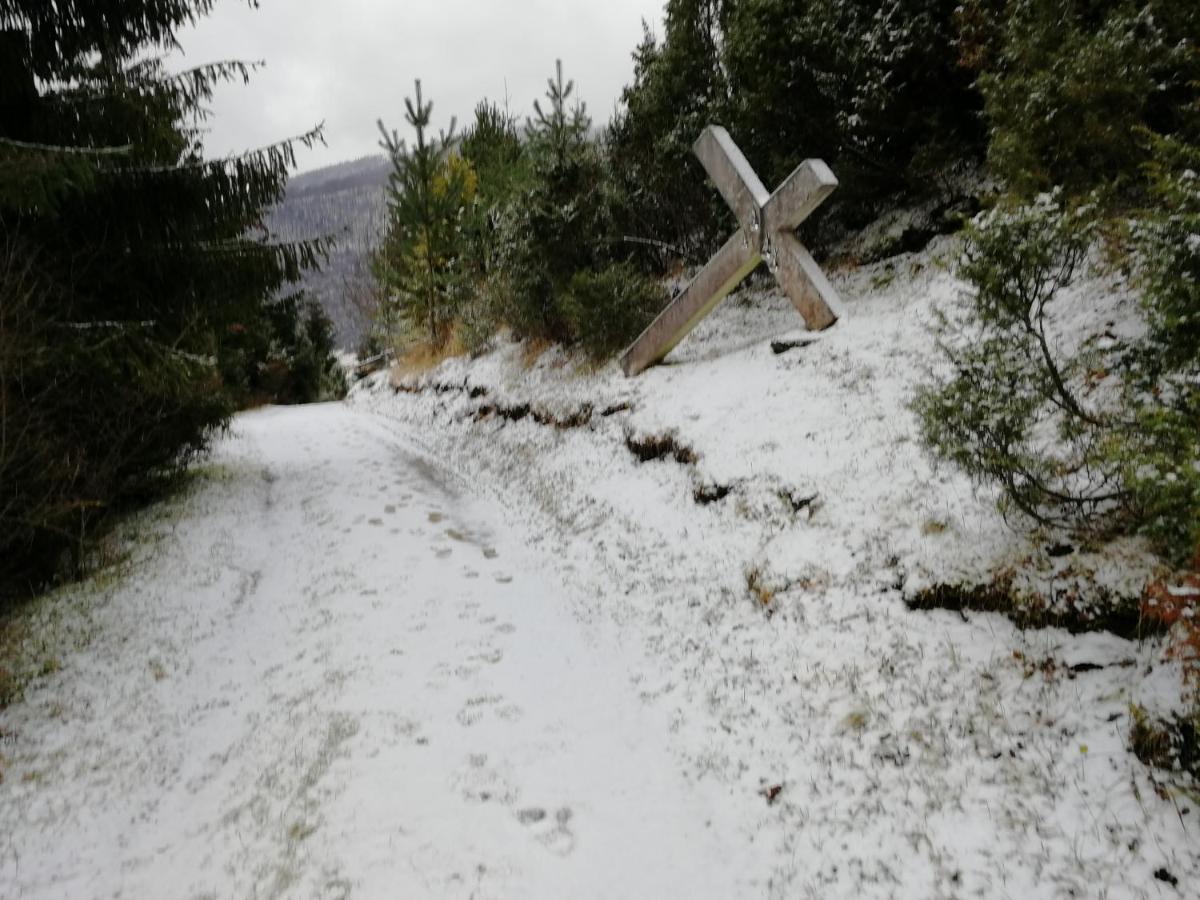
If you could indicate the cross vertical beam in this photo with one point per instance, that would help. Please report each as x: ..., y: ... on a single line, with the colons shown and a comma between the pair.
x: 766, y: 230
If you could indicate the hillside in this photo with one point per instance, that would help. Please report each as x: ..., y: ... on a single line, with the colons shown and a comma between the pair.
x: 346, y: 201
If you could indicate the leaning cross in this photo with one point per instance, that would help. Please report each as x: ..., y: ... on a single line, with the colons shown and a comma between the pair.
x: 767, y: 232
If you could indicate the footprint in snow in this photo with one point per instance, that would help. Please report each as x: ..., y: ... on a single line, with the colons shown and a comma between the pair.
x: 554, y: 834
x: 474, y: 709
x: 479, y: 782
x: 510, y: 713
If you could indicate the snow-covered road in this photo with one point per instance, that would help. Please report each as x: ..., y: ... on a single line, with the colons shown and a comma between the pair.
x: 330, y: 672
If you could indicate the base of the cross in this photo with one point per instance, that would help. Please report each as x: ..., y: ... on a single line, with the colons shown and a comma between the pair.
x: 720, y: 275
x: 805, y: 284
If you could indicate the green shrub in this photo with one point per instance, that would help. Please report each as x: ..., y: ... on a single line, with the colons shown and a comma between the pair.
x: 1012, y: 412
x: 606, y: 310
x: 1162, y: 455
x: 1161, y: 468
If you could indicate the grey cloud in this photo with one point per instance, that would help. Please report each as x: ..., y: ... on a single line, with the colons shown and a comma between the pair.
x: 349, y: 62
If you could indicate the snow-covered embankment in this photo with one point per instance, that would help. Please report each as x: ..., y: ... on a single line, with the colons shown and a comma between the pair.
x: 750, y: 515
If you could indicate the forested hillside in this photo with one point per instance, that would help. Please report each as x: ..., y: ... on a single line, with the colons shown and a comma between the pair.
x: 345, y: 202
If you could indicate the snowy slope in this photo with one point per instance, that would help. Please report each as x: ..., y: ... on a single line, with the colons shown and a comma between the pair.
x: 915, y: 754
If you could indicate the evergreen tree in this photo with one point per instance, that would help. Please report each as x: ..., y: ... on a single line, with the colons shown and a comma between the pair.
x: 558, y: 134
x: 880, y: 91
x: 1076, y: 86
x: 679, y: 87
x: 560, y: 224
x: 130, y: 261
x: 430, y: 192
x: 493, y: 147
x: 872, y: 88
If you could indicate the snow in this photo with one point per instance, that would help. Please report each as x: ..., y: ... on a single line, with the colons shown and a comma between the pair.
x: 333, y: 673
x: 410, y: 646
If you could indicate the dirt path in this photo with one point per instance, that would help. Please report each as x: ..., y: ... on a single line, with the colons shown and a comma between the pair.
x: 333, y: 674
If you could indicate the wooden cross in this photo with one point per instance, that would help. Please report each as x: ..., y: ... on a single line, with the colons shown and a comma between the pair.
x: 767, y: 232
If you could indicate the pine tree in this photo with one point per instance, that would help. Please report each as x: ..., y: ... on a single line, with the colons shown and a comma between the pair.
x: 679, y: 87
x: 429, y: 192
x: 493, y: 147
x: 129, y: 261
x: 561, y: 223
x: 560, y: 132
x: 873, y: 88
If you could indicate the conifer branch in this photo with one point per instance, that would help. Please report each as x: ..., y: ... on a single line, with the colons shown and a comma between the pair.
x: 66, y: 151
x: 280, y: 154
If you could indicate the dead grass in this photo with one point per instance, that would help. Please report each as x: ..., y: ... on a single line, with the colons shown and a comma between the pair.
x: 533, y: 350
x: 423, y: 356
x: 758, y: 588
x: 1174, y: 603
x: 1170, y: 745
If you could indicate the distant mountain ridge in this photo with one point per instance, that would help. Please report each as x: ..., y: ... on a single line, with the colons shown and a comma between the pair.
x: 346, y: 201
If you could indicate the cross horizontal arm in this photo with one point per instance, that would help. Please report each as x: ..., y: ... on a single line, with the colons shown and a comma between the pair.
x: 733, y: 176
x: 720, y: 275
x: 799, y: 195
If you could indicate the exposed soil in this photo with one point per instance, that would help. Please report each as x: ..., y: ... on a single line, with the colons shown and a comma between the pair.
x: 651, y: 447
x: 1102, y: 611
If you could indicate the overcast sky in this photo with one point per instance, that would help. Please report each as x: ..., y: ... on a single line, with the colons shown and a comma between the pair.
x: 350, y: 62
